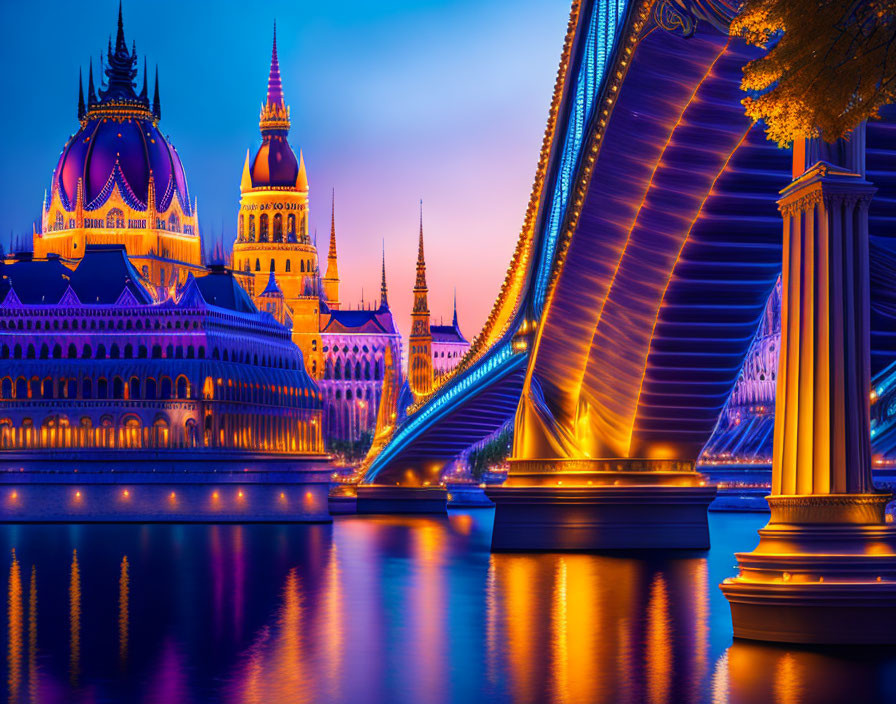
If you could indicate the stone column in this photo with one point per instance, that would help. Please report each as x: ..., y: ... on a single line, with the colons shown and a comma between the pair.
x: 825, y: 567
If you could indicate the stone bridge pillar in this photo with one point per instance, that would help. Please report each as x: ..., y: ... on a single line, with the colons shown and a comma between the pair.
x: 825, y: 567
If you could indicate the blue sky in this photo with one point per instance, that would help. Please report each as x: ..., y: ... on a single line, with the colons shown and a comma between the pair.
x: 391, y: 102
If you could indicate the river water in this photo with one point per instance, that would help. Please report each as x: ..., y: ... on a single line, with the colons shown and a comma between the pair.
x: 389, y: 609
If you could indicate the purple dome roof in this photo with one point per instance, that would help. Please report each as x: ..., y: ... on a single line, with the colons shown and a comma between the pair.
x: 275, y: 162
x: 119, y: 141
x: 108, y: 150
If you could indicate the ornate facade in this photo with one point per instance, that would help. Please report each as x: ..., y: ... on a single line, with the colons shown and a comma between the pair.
x: 91, y: 360
x: 119, y: 180
x: 448, y: 345
x: 420, y: 361
x: 277, y: 263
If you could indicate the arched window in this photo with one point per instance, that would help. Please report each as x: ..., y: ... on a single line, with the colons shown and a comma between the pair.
x: 165, y: 388
x: 263, y: 227
x: 17, y: 352
x: 47, y: 388
x: 134, y: 390
x: 100, y: 351
x: 6, y: 388
x: 4, y: 351
x: 257, y: 265
x: 252, y: 227
x: 128, y: 351
x: 141, y: 352
x: 338, y: 371
x: 57, y: 351
x: 44, y: 351
x: 156, y: 351
x: 102, y: 389
x: 59, y: 222
x: 288, y: 265
x: 182, y: 387
x: 117, y: 388
x: 291, y: 226
x: 240, y: 231
x: 278, y: 227
x: 273, y: 266
x: 72, y: 351
x: 86, y: 390
x: 114, y: 218
x: 21, y: 388
x: 115, y: 353
x: 302, y: 266
x: 174, y: 223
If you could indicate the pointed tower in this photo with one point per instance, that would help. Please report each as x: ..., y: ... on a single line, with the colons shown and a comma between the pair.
x: 331, y: 278
x: 82, y: 110
x: 420, y: 342
x: 384, y: 290
x: 272, y: 228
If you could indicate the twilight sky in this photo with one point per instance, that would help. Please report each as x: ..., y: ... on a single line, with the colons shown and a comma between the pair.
x: 392, y: 101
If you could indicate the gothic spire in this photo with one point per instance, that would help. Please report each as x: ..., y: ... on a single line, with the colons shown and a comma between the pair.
x: 120, y: 43
x: 91, y: 94
x: 144, y: 92
x: 332, y: 252
x: 421, y: 261
x: 156, y: 105
x: 274, y: 113
x: 454, y: 318
x: 81, y: 109
x: 275, y: 86
x: 384, y: 291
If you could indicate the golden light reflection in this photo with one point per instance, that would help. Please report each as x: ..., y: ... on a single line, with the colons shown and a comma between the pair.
x: 32, y: 636
x: 74, y: 619
x: 788, y: 689
x: 658, y: 655
x: 14, y: 629
x: 560, y: 635
x: 123, y: 618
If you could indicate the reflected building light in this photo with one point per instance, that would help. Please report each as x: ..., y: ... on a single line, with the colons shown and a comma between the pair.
x: 720, y: 681
x: 14, y: 629
x: 123, y: 616
x: 560, y: 635
x: 32, y: 636
x: 658, y: 653
x: 74, y: 617
x: 788, y: 680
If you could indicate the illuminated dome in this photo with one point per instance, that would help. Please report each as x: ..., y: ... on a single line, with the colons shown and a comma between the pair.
x: 119, y: 142
x: 275, y: 163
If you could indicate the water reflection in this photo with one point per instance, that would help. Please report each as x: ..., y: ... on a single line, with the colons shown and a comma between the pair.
x: 398, y: 609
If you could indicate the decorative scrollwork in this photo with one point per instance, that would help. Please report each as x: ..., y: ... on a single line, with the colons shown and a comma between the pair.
x: 671, y: 16
x: 681, y: 16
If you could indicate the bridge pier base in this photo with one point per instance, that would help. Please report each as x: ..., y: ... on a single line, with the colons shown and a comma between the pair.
x: 382, y: 498
x: 601, y: 505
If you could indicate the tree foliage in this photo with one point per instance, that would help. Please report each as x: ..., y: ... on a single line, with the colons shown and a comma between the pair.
x: 493, y: 453
x: 830, y: 65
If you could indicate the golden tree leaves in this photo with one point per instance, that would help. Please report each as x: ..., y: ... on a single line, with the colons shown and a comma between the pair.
x: 830, y: 65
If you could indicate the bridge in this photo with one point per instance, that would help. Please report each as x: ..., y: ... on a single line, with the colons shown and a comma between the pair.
x: 649, y: 248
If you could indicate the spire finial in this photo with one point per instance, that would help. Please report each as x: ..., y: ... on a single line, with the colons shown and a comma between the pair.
x: 156, y: 104
x: 145, y: 92
x: 454, y: 318
x: 420, y: 245
x: 332, y: 252
x: 81, y: 108
x: 91, y: 94
x: 384, y: 291
x: 275, y: 86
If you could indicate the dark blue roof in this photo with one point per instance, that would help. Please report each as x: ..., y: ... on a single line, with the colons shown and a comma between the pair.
x: 100, y: 277
x: 34, y: 282
x: 104, y: 272
x: 220, y: 288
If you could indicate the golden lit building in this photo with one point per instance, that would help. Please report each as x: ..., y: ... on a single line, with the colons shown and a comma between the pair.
x: 420, y: 372
x: 345, y: 350
x: 119, y: 180
x: 272, y: 226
